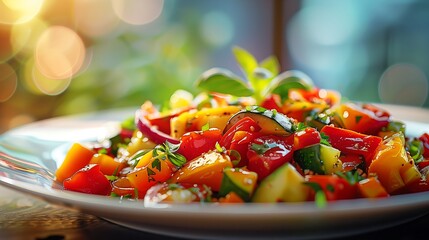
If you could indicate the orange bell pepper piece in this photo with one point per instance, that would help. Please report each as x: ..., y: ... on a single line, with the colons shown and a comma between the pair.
x: 108, y: 164
x: 371, y: 188
x: 392, y: 166
x: 156, y: 170
x: 207, y: 169
x: 77, y: 157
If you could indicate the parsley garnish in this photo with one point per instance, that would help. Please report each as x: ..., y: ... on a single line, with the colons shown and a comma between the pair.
x: 262, y: 148
x: 219, y: 148
x: 205, y: 127
x: 358, y: 118
x: 300, y: 126
x: 324, y: 139
x: 168, y: 151
x: 352, y: 176
x: 111, y: 177
x: 102, y: 151
x: 319, y: 197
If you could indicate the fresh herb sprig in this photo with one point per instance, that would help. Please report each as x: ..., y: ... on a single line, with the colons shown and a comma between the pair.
x: 261, y: 78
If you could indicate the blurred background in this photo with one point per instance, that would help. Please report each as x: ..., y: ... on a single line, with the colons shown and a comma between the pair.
x: 73, y: 56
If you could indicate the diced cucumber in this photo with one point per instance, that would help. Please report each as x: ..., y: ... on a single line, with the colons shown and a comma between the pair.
x: 308, y: 158
x: 319, y: 158
x: 285, y: 184
x: 330, y: 159
x: 240, y: 181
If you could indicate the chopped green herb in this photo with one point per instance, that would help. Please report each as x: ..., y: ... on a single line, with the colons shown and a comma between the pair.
x: 324, y: 139
x: 300, y: 126
x: 156, y: 163
x: 102, y: 151
x: 319, y: 197
x: 168, y: 151
x: 205, y: 127
x: 219, y: 148
x: 330, y: 188
x: 415, y: 148
x: 358, y: 118
x: 352, y: 176
x: 236, y: 156
x: 111, y: 177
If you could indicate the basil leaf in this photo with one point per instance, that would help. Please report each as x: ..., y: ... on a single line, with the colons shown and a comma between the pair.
x: 291, y: 79
x: 223, y: 81
x: 271, y: 64
x: 246, y: 61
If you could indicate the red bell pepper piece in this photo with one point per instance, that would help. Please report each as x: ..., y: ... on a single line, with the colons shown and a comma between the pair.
x: 89, y: 180
x: 246, y: 124
x: 425, y: 140
x: 195, y: 143
x: 272, y: 102
x: 351, y: 142
x: 267, y: 153
x: 334, y: 187
x: 308, y: 136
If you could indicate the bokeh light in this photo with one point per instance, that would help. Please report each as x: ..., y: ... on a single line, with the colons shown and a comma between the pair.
x: 24, y: 37
x: 59, y: 52
x: 19, y: 11
x: 138, y: 12
x: 8, y: 82
x: 94, y: 18
x: 217, y: 28
x: 47, y: 85
x: 404, y: 84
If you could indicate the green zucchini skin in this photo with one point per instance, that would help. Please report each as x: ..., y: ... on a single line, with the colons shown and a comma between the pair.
x: 270, y: 121
x: 285, y: 184
x: 309, y: 158
x: 240, y: 181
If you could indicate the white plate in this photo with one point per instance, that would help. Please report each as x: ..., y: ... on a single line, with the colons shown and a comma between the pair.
x: 30, y: 155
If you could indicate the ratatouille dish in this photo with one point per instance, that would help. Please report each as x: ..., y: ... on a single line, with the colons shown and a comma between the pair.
x: 273, y: 137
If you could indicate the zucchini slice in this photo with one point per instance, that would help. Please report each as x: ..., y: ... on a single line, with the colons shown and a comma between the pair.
x: 271, y: 122
x: 240, y: 181
x: 285, y: 184
x: 319, y: 158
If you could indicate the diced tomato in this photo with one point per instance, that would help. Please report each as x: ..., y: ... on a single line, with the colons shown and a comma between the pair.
x: 351, y: 161
x: 89, y: 180
x: 195, y: 143
x: 246, y: 124
x: 273, y: 101
x: 423, y: 164
x: 425, y: 139
x: 308, y: 136
x: 240, y: 143
x: 351, y: 142
x: 267, y: 153
x: 334, y: 187
x: 422, y: 185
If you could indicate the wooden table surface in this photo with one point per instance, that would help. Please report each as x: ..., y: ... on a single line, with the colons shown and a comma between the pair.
x: 26, y: 217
